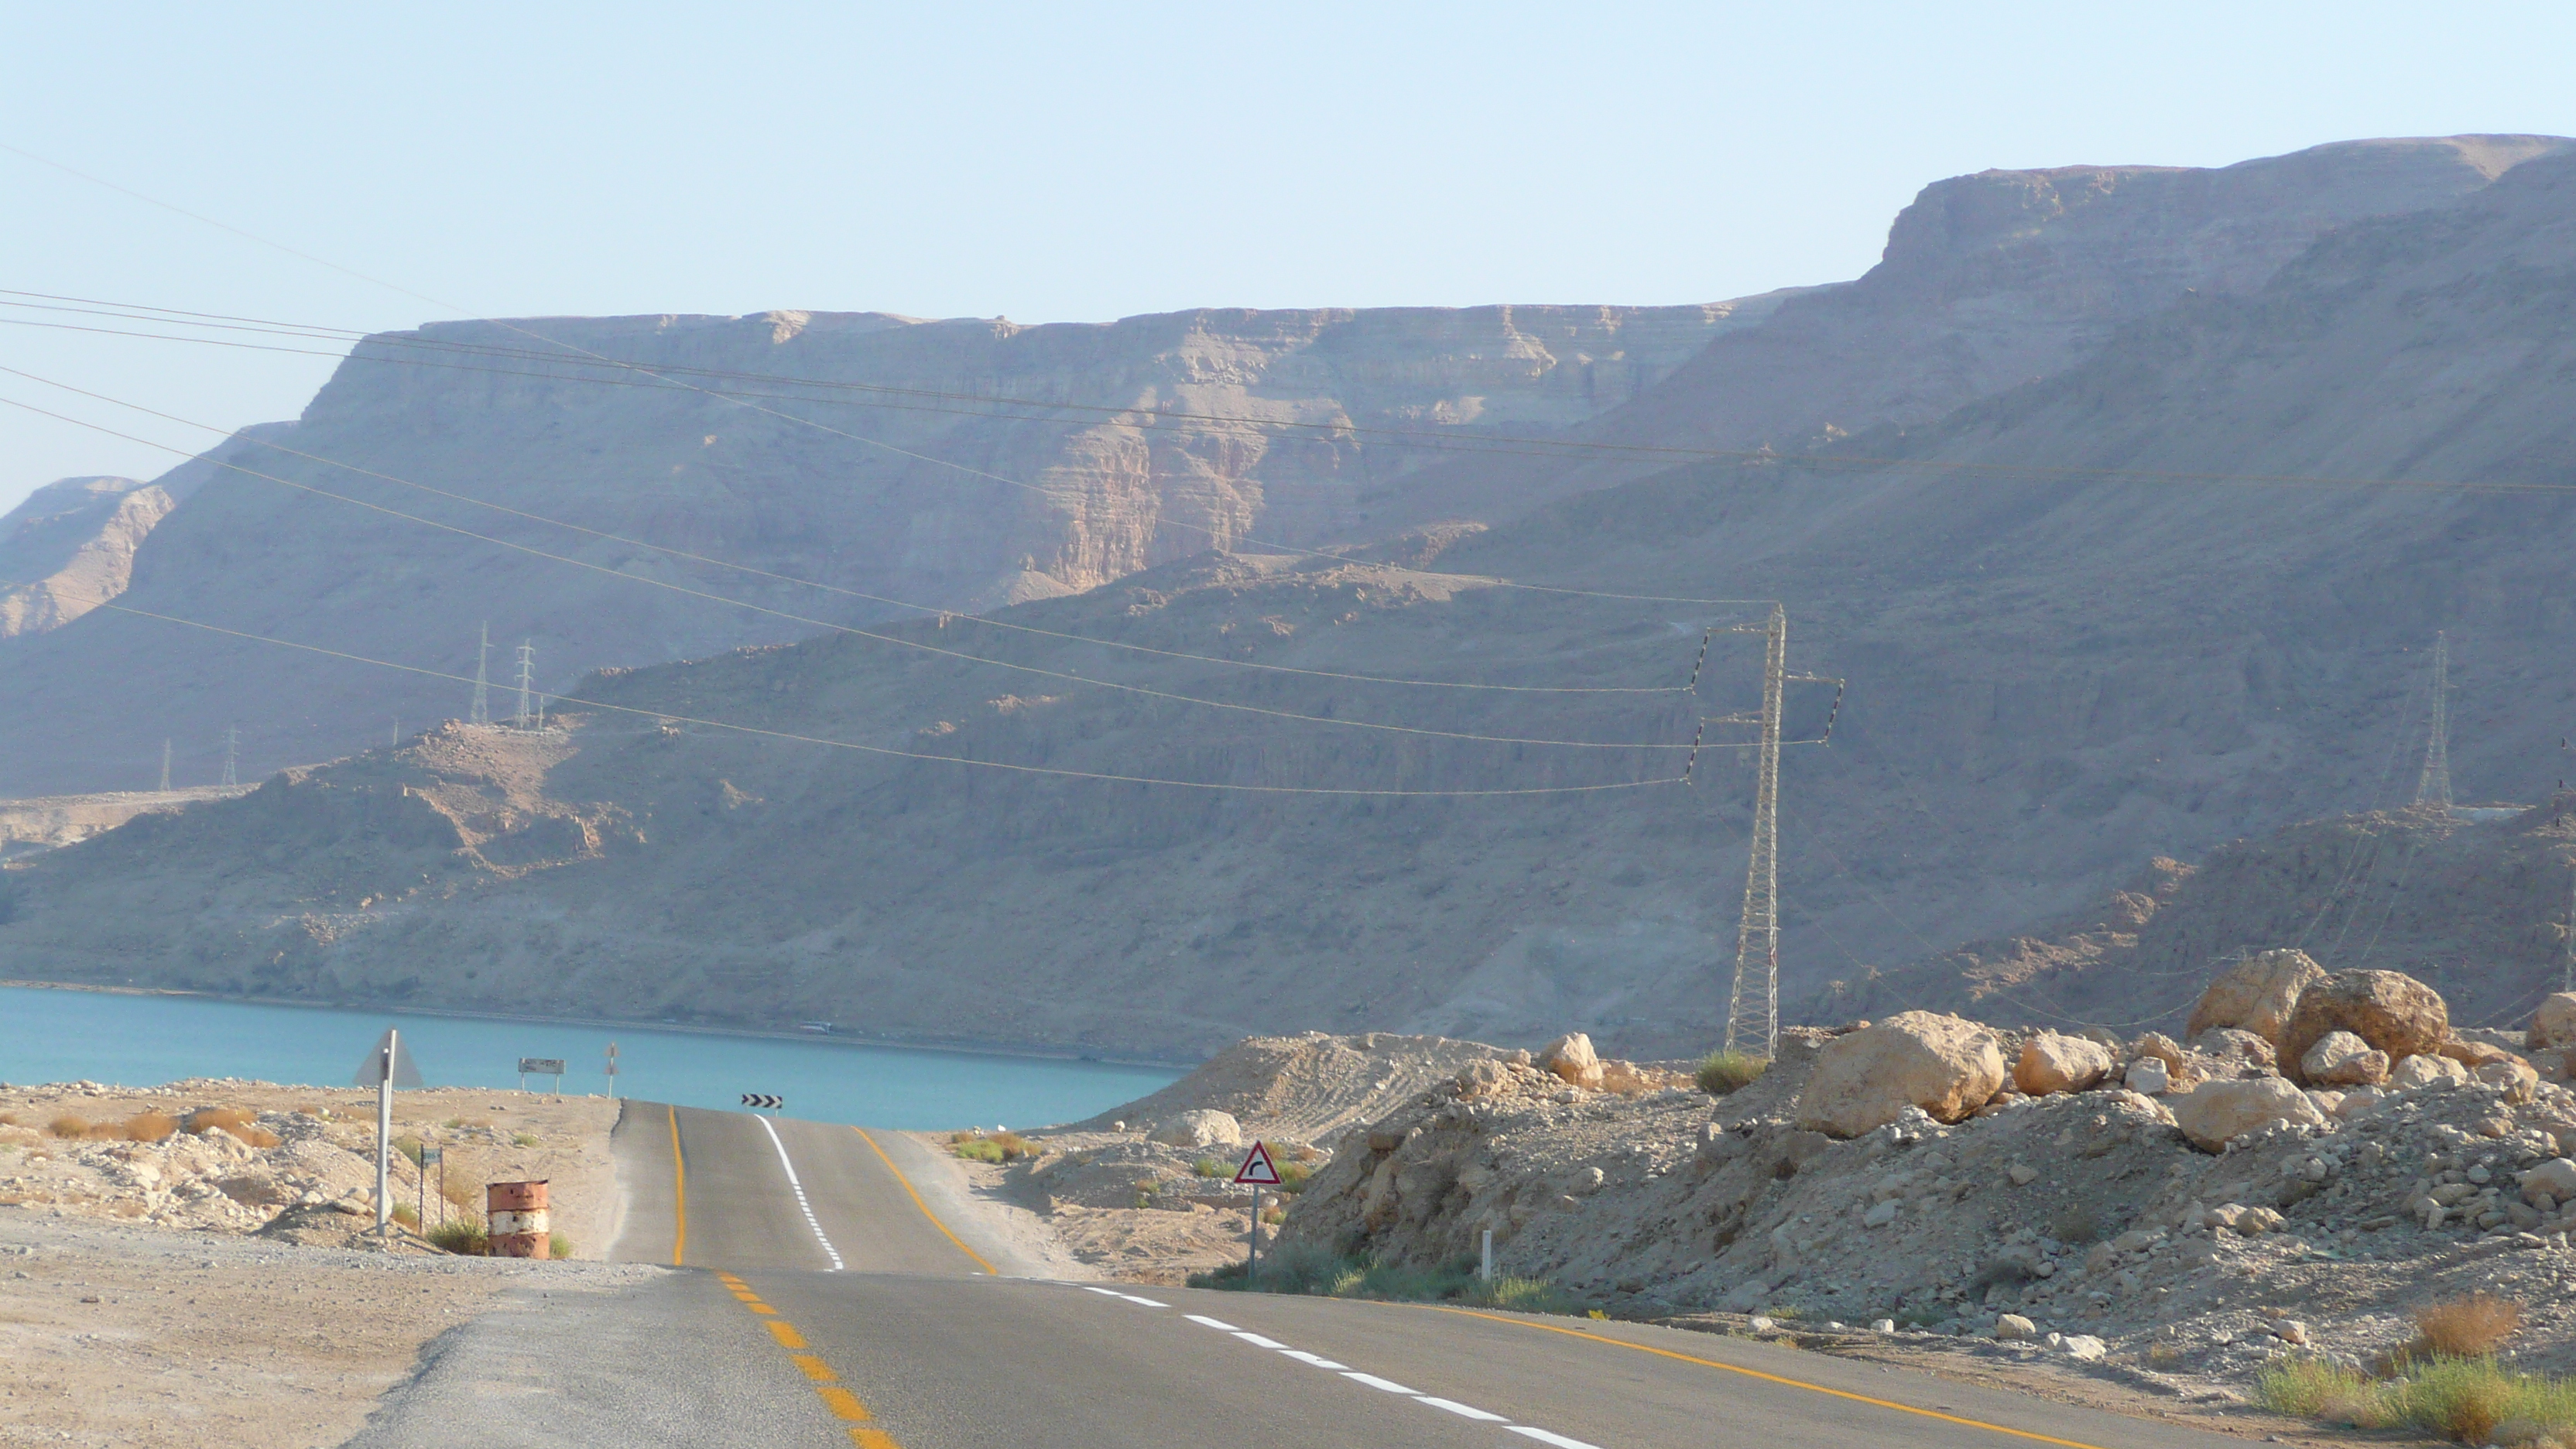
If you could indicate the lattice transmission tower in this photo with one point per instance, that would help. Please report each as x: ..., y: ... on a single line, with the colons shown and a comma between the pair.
x: 481, y: 712
x: 232, y: 756
x: 1753, y: 1009
x: 527, y: 680
x: 2433, y: 786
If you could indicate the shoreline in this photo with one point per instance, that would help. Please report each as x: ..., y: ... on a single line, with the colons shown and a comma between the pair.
x: 867, y: 1040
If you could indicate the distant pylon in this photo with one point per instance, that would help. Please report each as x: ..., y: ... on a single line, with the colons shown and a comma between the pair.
x: 232, y: 755
x: 165, y: 767
x: 2433, y: 786
x: 527, y: 678
x: 481, y: 713
x: 1753, y: 1011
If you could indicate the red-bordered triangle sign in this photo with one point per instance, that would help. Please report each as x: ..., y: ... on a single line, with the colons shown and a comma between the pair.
x: 1256, y: 1169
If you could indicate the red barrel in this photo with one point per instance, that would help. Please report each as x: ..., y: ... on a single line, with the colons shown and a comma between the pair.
x: 520, y: 1225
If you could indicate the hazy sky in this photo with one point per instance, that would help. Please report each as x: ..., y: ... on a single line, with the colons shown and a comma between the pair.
x: 1084, y: 163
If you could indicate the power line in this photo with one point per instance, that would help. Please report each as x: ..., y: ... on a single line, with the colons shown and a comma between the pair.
x: 785, y: 735
x: 825, y: 624
x: 757, y: 572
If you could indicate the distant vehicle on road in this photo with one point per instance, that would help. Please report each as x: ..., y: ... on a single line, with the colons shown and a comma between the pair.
x: 819, y: 1028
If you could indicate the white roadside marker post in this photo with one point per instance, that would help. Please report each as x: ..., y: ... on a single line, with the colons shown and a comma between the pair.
x: 1487, y: 1271
x: 385, y: 1068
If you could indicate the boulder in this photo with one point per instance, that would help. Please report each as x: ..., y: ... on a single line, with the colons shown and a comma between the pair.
x: 2216, y: 1112
x: 2258, y: 994
x: 1202, y: 1127
x: 2340, y: 1059
x: 2392, y: 1011
x: 2237, y: 1050
x: 2149, y: 1076
x: 2052, y: 1063
x: 2473, y: 1054
x: 1571, y: 1057
x: 2554, y: 1179
x: 2427, y: 1071
x: 2554, y: 1023
x: 2512, y: 1076
x: 2012, y: 1326
x: 1944, y: 1065
x: 2160, y: 1046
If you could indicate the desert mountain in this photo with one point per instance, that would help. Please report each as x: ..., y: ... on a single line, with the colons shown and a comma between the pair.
x: 959, y: 465
x: 71, y: 545
x: 2176, y: 594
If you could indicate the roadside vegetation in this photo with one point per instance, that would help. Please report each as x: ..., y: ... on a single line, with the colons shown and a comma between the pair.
x: 1723, y: 1072
x: 1305, y: 1270
x: 2446, y: 1382
x: 994, y: 1147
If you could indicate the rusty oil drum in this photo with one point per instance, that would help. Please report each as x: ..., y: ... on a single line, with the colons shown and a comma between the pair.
x: 520, y: 1225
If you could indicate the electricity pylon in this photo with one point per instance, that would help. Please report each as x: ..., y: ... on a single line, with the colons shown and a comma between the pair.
x: 481, y: 713
x: 232, y: 756
x: 527, y: 677
x: 1753, y: 1011
x: 165, y: 767
x: 2433, y: 786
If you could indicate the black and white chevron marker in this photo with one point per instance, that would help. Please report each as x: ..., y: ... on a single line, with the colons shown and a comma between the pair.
x: 763, y: 1099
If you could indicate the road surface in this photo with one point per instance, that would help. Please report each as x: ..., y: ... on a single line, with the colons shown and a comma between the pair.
x: 831, y: 1304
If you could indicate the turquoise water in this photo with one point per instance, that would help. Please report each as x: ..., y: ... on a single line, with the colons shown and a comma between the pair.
x: 139, y: 1041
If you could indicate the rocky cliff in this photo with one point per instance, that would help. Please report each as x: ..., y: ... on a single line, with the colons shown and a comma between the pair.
x: 69, y: 547
x: 954, y: 465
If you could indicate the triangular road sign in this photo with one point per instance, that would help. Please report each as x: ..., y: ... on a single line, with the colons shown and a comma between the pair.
x: 390, y: 1058
x: 1256, y: 1169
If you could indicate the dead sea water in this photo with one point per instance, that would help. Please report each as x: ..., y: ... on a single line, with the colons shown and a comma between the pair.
x: 141, y: 1040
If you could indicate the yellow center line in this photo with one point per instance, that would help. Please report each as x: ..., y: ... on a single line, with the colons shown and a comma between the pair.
x: 1772, y: 1378
x: 925, y: 1207
x: 843, y: 1404
x: 679, y: 1194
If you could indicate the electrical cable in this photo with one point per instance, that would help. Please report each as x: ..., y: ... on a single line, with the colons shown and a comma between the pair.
x: 825, y: 624
x: 943, y: 614
x: 668, y: 716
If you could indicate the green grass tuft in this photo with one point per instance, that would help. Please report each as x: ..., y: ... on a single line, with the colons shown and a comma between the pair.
x: 2460, y: 1399
x: 1724, y: 1072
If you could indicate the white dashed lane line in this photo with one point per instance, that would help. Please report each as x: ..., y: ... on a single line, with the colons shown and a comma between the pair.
x: 1452, y: 1406
x: 799, y: 1188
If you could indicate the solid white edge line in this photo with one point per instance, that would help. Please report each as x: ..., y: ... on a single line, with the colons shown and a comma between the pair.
x: 1467, y: 1411
x: 799, y: 1188
x: 1544, y: 1437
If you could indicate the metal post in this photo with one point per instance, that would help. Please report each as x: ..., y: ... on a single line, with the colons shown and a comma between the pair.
x: 1253, y: 1271
x: 384, y: 1135
x: 1487, y: 1272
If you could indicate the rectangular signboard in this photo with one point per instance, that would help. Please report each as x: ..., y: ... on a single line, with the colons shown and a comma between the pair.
x: 541, y: 1066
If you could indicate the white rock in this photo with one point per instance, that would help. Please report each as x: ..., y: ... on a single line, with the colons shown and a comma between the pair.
x: 2555, y: 1179
x: 1572, y: 1058
x: 2341, y: 1059
x: 2051, y: 1063
x: 2023, y: 1174
x: 1760, y: 1324
x: 2426, y: 1071
x: 2084, y: 1347
x: 2012, y: 1326
x: 1944, y: 1065
x: 1882, y: 1325
x: 2216, y: 1112
x: 1201, y: 1127
x: 1879, y: 1216
x: 2149, y: 1076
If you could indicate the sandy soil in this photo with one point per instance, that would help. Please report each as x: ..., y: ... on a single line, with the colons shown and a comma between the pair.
x: 323, y: 1158
x: 115, y: 1334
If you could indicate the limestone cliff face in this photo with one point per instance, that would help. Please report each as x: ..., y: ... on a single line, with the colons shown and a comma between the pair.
x: 1990, y: 281
x: 70, y: 547
x: 960, y: 465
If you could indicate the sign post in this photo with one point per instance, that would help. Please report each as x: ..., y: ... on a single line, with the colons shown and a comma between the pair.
x: 1257, y: 1173
x: 387, y: 1067
x: 612, y: 1071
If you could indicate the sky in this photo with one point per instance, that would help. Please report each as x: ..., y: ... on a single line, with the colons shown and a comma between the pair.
x: 1067, y: 163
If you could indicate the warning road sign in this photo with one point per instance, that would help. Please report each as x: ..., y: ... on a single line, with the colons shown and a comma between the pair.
x: 1256, y: 1170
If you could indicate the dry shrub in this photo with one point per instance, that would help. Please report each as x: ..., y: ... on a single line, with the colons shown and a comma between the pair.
x: 233, y: 1122
x: 68, y: 1125
x: 150, y: 1127
x: 8, y: 1119
x: 2470, y: 1326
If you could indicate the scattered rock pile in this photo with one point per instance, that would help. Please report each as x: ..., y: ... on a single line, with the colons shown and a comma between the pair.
x: 2195, y: 1208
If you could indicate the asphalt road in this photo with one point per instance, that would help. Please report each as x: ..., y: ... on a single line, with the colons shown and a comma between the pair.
x: 912, y: 1341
